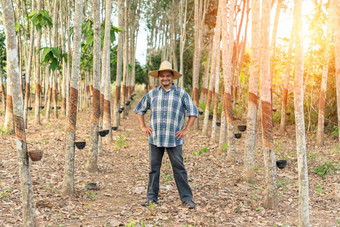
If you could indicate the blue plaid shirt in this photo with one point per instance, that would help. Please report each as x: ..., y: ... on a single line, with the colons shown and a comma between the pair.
x: 167, y: 114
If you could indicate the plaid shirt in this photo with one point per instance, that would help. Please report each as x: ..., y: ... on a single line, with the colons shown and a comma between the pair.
x: 167, y: 114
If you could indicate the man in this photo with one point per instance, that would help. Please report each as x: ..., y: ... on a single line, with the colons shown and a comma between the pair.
x: 168, y: 105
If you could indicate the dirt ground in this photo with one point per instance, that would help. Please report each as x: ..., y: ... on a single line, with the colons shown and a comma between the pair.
x: 222, y: 198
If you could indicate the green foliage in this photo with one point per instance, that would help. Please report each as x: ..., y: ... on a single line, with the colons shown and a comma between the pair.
x: 4, y: 192
x: 326, y: 168
x: 120, y: 142
x: 6, y: 131
x: 2, y: 50
x: 52, y: 56
x: 319, y: 191
x: 335, y: 131
x: 202, y: 151
x: 92, y: 195
x: 132, y: 223
x: 40, y: 19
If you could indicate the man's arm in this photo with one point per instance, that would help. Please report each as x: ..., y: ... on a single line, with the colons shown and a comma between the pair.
x: 180, y: 134
x: 145, y: 129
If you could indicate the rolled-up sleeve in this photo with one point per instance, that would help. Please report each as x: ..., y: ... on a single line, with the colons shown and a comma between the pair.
x: 190, y: 106
x: 143, y: 105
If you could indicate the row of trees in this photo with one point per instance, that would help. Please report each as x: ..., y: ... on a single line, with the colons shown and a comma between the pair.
x: 222, y: 84
x: 66, y: 46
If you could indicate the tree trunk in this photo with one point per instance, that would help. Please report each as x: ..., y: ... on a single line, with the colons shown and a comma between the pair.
x: 249, y: 156
x: 55, y: 44
x: 182, y: 24
x: 217, y: 71
x: 322, y: 100
x: 68, y: 180
x: 28, y: 208
x: 196, y: 61
x: 37, y: 77
x: 276, y: 23
x: 286, y: 82
x: 270, y: 200
x: 116, y: 115
x: 63, y: 46
x: 28, y: 72
x: 204, y: 88
x: 299, y: 119
x: 125, y: 56
x: 106, y: 72
x: 227, y: 73
x: 91, y: 165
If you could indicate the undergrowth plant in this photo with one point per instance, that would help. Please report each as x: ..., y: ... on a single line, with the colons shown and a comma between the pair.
x: 120, y: 142
x: 326, y: 168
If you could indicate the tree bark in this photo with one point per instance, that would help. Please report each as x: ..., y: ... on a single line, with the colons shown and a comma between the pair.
x: 106, y: 72
x: 227, y: 54
x: 91, y: 165
x: 29, y: 69
x: 116, y: 115
x: 125, y: 56
x: 249, y: 156
x: 270, y: 200
x: 28, y: 209
x: 217, y: 71
x: 322, y: 99
x: 299, y: 119
x: 68, y: 180
x: 37, y: 77
x: 286, y: 82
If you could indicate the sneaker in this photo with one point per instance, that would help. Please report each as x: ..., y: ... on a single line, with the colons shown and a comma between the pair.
x: 189, y: 204
x: 148, y: 201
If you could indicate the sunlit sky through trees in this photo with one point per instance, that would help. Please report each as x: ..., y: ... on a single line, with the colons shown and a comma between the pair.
x: 284, y: 27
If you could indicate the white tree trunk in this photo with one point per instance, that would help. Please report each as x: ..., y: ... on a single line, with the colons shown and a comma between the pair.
x: 249, y: 155
x: 91, y: 165
x: 299, y: 119
x: 270, y: 200
x: 322, y: 100
x: 106, y: 72
x: 68, y: 180
x: 28, y: 208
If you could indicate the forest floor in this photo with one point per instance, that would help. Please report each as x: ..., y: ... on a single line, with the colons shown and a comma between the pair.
x: 221, y: 197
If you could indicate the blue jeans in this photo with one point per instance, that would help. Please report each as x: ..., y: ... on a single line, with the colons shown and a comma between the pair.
x: 180, y: 174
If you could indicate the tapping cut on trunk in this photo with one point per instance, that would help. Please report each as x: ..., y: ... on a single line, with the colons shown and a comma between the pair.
x: 71, y: 126
x: 19, y: 128
x: 228, y: 107
x: 253, y: 98
x: 107, y: 107
x: 96, y: 106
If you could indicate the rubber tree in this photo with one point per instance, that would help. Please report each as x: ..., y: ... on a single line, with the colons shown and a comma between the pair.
x: 217, y: 71
x: 106, y: 71
x: 91, y: 165
x: 301, y: 149
x: 28, y: 208
x: 337, y: 56
x: 228, y: 47
x: 29, y: 70
x: 120, y: 12
x: 68, y: 179
x: 322, y: 99
x: 249, y: 155
x: 270, y: 200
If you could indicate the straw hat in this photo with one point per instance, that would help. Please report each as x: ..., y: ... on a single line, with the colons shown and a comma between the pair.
x: 165, y: 66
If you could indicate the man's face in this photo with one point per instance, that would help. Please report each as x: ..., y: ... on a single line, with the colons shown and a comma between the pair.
x: 165, y: 78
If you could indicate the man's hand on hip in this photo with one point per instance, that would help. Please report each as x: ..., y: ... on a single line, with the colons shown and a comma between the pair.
x: 180, y: 134
x: 147, y: 131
